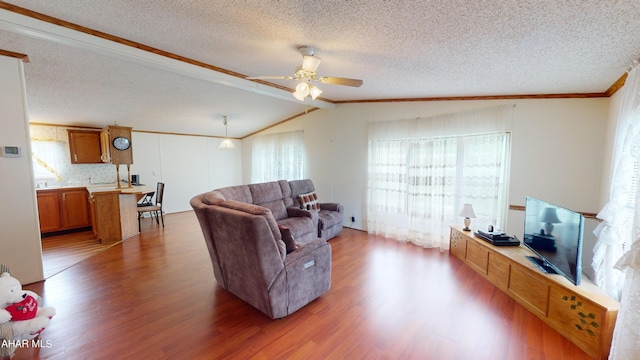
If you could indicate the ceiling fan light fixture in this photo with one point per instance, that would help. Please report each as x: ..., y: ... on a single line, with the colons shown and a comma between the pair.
x: 314, y: 92
x: 310, y: 63
x: 302, y: 91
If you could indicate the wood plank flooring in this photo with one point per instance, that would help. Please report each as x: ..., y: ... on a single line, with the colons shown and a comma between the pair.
x: 154, y: 296
x: 60, y: 252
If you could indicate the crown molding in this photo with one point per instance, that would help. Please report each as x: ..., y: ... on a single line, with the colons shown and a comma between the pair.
x: 16, y: 55
x: 30, y: 23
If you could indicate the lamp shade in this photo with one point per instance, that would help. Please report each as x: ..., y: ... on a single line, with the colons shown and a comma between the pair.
x: 302, y: 90
x: 550, y: 216
x: 226, y: 144
x: 314, y: 92
x: 467, y: 211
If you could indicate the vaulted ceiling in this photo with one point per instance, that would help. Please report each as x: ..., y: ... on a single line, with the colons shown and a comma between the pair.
x: 179, y: 66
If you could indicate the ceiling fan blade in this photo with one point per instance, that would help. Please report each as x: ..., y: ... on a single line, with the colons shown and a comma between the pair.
x: 340, y: 81
x: 270, y: 78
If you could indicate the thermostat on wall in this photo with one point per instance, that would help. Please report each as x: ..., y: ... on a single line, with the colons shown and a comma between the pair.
x: 11, y: 151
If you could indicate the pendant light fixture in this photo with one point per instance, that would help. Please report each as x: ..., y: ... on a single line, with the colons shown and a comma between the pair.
x: 226, y: 143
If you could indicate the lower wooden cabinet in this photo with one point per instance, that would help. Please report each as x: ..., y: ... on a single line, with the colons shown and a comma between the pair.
x: 583, y: 314
x: 49, y: 211
x: 63, y: 209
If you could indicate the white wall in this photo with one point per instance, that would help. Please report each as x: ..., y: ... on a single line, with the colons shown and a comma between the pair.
x: 188, y: 165
x: 556, y: 152
x: 20, y: 245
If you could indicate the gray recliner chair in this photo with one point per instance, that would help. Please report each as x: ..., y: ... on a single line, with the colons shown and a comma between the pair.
x: 251, y: 259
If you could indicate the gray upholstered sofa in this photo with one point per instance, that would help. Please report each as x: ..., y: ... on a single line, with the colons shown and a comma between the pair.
x: 249, y: 231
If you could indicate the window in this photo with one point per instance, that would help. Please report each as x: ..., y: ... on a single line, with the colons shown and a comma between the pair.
x: 418, y: 183
x: 278, y: 156
x: 47, y: 156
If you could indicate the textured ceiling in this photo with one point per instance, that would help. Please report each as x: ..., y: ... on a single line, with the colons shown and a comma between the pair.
x: 400, y: 49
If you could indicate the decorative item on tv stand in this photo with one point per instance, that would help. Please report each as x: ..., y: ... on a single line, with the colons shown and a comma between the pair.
x: 467, y: 213
x: 117, y: 149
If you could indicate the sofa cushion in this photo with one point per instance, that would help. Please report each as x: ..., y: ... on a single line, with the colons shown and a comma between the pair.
x: 254, y: 210
x: 309, y: 201
x: 286, y: 193
x: 328, y: 218
x: 299, y: 226
x: 238, y: 193
x: 265, y: 192
x: 300, y: 187
x: 277, y: 208
x: 269, y: 195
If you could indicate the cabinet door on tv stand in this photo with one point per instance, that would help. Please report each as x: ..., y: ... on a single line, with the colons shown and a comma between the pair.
x: 457, y: 244
x: 498, y: 272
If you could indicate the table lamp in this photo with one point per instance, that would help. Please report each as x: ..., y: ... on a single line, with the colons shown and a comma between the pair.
x: 467, y: 213
x: 549, y: 217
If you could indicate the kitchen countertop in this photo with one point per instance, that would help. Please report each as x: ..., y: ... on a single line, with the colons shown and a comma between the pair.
x: 100, y: 188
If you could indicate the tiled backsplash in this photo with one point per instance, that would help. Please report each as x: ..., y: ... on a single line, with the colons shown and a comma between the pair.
x: 70, y: 174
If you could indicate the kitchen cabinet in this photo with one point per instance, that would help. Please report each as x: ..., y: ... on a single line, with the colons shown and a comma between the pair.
x: 75, y: 209
x: 49, y: 211
x: 63, y: 209
x: 85, y: 146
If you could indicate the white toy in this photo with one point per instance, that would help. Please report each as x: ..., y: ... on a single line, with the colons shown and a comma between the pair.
x: 21, y: 308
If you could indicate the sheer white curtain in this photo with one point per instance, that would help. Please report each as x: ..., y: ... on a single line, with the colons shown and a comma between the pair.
x: 616, y: 250
x: 626, y: 343
x: 48, y: 157
x: 422, y: 171
x: 277, y: 156
x: 620, y: 216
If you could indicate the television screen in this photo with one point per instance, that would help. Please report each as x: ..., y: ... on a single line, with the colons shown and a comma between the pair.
x: 555, y: 235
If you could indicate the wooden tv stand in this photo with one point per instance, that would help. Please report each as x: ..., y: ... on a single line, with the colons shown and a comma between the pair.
x: 583, y: 314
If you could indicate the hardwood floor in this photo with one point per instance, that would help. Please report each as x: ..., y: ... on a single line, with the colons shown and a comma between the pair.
x: 62, y: 251
x: 154, y: 296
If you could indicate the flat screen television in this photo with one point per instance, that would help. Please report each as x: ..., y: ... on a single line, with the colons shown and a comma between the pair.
x: 555, y: 235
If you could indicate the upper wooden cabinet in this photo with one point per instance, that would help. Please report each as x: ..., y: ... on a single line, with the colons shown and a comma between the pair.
x: 111, y: 153
x: 84, y: 146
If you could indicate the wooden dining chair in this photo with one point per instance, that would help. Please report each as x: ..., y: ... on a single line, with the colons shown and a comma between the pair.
x: 155, y: 208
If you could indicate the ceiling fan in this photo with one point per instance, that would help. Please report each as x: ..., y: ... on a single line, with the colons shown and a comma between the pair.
x: 307, y: 73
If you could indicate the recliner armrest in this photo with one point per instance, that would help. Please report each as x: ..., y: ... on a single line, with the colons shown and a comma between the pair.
x: 296, y: 212
x: 332, y: 207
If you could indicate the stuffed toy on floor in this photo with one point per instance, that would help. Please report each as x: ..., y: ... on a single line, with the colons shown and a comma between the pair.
x: 21, y: 308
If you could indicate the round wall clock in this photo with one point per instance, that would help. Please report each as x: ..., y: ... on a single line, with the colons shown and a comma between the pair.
x: 121, y: 143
